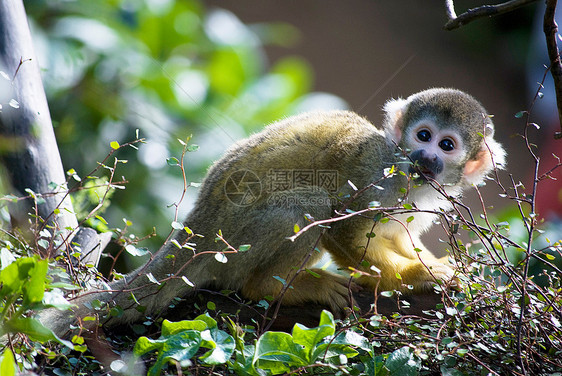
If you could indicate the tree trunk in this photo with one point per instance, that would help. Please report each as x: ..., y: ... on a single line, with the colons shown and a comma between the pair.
x: 28, y: 148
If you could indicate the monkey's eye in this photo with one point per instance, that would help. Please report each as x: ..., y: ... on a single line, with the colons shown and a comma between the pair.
x: 447, y: 144
x: 424, y: 135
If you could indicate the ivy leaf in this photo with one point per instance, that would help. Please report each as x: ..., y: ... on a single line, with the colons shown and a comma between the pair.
x: 277, y: 352
x: 222, y: 346
x: 180, y: 347
x: 402, y: 362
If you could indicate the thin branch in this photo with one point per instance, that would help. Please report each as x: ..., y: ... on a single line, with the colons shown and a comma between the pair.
x: 470, y: 15
x: 551, y: 32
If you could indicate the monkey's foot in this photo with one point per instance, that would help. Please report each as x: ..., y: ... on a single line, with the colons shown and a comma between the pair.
x: 324, y: 288
x: 312, y: 286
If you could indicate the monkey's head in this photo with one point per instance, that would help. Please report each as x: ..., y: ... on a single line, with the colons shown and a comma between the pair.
x: 447, y: 134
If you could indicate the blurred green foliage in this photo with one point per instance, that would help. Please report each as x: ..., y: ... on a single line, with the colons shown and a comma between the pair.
x: 170, y: 69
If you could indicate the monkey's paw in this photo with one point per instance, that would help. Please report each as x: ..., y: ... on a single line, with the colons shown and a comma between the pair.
x: 435, y: 272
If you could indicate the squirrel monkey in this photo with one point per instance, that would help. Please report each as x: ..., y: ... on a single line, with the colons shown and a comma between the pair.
x: 310, y: 167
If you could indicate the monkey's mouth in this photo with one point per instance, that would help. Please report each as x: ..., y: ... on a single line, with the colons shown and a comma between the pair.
x: 423, y: 173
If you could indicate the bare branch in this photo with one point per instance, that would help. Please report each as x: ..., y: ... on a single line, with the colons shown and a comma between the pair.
x: 551, y: 32
x: 470, y: 15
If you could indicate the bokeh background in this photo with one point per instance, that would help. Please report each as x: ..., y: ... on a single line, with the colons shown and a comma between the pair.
x: 220, y: 70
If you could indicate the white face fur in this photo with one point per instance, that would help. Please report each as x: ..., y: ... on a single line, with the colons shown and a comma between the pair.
x: 460, y: 165
x: 443, y: 143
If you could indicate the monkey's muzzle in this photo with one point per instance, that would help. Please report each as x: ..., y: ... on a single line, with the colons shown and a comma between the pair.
x: 426, y: 165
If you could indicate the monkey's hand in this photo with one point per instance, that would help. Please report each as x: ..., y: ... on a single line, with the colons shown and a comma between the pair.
x: 403, y: 271
x: 423, y: 276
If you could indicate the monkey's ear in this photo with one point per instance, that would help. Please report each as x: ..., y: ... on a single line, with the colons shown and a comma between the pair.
x: 490, y: 156
x: 393, y: 122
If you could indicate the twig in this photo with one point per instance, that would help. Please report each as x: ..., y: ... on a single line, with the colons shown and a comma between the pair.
x: 551, y: 32
x: 470, y: 15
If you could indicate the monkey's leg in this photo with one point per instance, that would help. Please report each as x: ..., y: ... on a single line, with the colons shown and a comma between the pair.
x: 309, y: 286
x: 280, y: 258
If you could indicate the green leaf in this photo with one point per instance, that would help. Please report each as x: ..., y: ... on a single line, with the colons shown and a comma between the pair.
x: 192, y: 148
x: 402, y: 362
x: 170, y: 328
x: 227, y: 71
x: 277, y: 352
x: 34, y: 329
x: 350, y: 337
x: 180, y: 347
x: 244, y: 247
x: 211, y: 322
x: 280, y: 279
x: 374, y: 204
x: 116, y: 311
x: 326, y: 318
x: 14, y: 276
x: 172, y: 161
x: 181, y: 340
x: 313, y: 273
x: 8, y: 364
x: 445, y: 371
x: 55, y: 298
x: 222, y: 346
x: 310, y: 338
x: 243, y: 364
x: 332, y: 351
x: 101, y: 219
